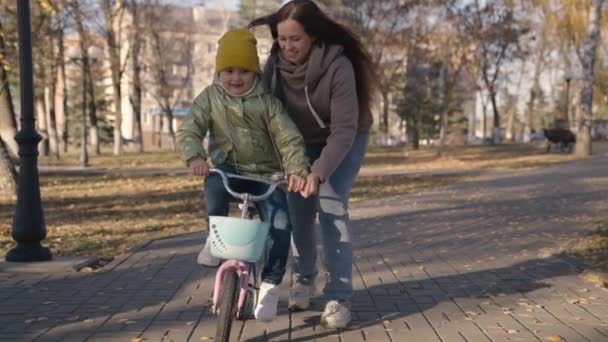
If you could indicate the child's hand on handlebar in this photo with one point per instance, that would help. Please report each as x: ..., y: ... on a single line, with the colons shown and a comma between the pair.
x: 199, y: 167
x: 295, y: 183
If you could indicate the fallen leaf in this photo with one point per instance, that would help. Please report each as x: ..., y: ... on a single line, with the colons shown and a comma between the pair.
x: 555, y: 338
x: 88, y: 321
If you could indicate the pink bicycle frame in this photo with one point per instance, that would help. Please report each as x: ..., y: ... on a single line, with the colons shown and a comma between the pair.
x: 243, y: 269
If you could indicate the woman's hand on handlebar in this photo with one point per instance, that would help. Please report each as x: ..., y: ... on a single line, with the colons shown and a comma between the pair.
x: 198, y: 167
x: 312, y: 185
x: 295, y: 183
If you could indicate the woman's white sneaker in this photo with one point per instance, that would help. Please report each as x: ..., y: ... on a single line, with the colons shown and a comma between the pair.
x: 336, y: 315
x: 268, y: 300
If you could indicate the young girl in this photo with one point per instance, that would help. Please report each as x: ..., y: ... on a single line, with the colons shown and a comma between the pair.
x: 249, y: 134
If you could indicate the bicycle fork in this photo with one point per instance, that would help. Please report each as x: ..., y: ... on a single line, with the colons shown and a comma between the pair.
x: 243, y: 270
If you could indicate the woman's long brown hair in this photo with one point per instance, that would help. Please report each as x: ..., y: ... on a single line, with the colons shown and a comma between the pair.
x: 319, y: 26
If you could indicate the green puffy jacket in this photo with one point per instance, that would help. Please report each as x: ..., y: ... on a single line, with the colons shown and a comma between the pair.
x: 251, y: 131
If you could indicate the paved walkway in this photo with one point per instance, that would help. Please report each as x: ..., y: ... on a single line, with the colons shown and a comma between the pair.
x: 476, y: 261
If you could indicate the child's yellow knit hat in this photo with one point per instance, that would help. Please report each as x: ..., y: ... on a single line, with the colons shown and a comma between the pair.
x: 237, y: 49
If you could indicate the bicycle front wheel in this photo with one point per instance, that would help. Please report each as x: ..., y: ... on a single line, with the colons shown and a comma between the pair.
x: 228, y: 306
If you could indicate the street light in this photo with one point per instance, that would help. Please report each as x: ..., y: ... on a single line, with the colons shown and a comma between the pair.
x: 77, y: 58
x: 568, y: 76
x: 28, y: 222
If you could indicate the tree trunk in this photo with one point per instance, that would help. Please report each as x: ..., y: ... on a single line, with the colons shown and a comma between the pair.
x: 528, y: 116
x: 385, y: 107
x: 8, y: 175
x: 43, y: 147
x: 160, y: 131
x: 49, y: 95
x: 535, y: 90
x: 84, y: 46
x: 60, y: 98
x: 8, y: 121
x: 496, y: 138
x: 112, y: 41
x: 583, y: 139
x: 443, y: 111
x: 169, y: 115
x: 484, y: 122
x: 136, y: 91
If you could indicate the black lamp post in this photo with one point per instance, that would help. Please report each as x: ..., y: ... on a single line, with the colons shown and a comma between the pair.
x: 568, y: 77
x: 28, y: 222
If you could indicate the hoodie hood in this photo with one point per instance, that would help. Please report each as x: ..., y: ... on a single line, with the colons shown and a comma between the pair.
x: 308, y: 74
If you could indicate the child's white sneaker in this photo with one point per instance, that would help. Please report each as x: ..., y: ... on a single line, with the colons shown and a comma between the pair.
x: 205, y: 258
x: 268, y: 300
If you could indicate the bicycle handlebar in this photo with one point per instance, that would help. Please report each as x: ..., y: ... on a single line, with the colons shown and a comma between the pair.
x: 277, y: 179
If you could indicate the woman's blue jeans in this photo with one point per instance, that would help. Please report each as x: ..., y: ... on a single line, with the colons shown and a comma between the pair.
x: 272, y: 210
x: 331, y: 205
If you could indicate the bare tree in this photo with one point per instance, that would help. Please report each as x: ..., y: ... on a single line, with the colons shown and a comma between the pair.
x: 496, y: 33
x: 452, y: 52
x: 384, y: 27
x: 85, y: 44
x: 135, y: 96
x: 170, y: 64
x: 113, y: 12
x: 588, y: 55
x: 60, y: 98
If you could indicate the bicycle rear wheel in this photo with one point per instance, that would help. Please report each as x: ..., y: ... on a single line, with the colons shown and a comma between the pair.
x: 228, y: 306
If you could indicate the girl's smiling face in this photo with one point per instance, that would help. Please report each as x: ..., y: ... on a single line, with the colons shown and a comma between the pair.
x: 237, y: 80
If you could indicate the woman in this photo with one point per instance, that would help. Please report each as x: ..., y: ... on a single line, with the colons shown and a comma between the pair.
x: 324, y: 76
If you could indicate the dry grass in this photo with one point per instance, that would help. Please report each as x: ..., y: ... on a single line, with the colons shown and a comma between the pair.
x: 594, y: 248
x: 103, y: 215
x: 509, y: 156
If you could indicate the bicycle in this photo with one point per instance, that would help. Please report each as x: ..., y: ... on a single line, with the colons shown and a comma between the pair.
x: 240, y: 243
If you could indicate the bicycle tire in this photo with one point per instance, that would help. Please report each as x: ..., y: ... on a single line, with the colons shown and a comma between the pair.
x: 228, y: 306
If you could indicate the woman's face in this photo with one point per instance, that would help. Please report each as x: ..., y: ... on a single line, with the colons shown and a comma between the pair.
x: 236, y: 80
x: 294, y: 42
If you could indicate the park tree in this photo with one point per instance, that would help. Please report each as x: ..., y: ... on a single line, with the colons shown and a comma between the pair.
x: 47, y: 59
x: 385, y: 30
x: 588, y: 58
x: 113, y: 13
x: 85, y: 43
x: 496, y: 32
x: 135, y: 96
x: 416, y: 105
x: 169, y: 62
x: 542, y: 39
x: 453, y: 55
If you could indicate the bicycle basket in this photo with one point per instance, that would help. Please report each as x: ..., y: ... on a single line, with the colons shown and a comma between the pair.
x: 235, y: 238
